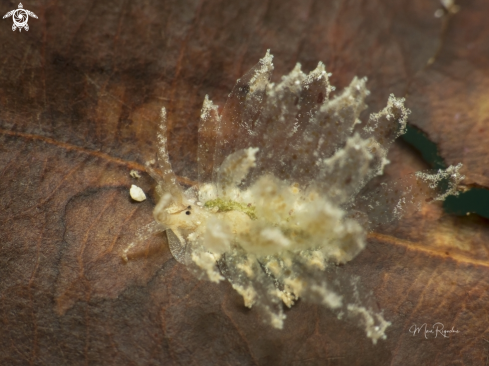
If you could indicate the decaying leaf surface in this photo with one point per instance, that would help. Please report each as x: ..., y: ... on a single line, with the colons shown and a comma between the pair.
x: 79, y: 103
x: 449, y: 97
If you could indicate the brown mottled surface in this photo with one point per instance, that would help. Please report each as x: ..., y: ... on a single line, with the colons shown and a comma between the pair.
x: 80, y: 95
x: 450, y: 98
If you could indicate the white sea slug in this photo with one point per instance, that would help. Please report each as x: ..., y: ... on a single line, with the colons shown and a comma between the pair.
x: 281, y: 190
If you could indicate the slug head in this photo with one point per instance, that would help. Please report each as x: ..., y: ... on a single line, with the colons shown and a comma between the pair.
x: 179, y: 215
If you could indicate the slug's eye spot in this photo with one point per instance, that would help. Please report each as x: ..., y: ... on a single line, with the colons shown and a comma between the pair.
x: 187, y: 212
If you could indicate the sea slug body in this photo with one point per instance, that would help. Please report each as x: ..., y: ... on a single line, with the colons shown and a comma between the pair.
x: 281, y: 193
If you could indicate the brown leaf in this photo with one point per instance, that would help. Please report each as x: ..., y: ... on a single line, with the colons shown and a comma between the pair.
x: 449, y: 97
x: 79, y: 103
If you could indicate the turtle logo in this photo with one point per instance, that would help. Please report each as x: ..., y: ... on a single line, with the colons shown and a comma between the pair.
x: 20, y: 17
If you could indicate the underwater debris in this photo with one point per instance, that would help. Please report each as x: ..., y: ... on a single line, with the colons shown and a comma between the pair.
x: 137, y: 194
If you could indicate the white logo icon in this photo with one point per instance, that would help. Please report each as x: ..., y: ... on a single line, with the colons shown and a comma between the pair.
x: 20, y: 17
